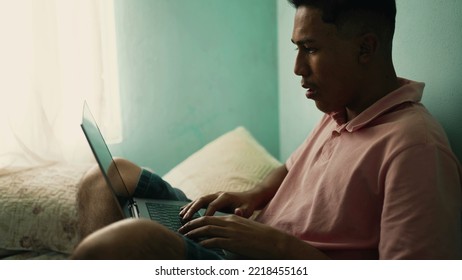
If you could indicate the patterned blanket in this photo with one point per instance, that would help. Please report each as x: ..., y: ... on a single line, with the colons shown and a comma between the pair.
x: 38, y: 211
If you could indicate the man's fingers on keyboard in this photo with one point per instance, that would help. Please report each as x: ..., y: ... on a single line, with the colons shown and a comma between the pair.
x: 184, y: 209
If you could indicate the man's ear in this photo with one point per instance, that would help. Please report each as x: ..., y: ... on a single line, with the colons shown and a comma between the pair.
x: 368, y: 47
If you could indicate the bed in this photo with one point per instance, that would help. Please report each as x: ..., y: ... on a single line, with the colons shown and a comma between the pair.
x: 38, y: 217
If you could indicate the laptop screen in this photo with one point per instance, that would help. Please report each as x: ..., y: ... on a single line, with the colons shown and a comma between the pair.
x: 102, y: 154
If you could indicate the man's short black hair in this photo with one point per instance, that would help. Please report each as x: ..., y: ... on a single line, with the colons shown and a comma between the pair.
x: 338, y: 11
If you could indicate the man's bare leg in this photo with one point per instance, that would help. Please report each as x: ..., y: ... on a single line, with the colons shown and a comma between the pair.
x: 131, y: 239
x: 97, y: 206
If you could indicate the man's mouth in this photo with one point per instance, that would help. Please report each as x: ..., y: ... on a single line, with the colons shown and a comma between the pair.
x: 310, y: 92
x: 311, y: 89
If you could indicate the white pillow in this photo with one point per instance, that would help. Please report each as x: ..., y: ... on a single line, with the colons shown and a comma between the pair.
x: 233, y: 162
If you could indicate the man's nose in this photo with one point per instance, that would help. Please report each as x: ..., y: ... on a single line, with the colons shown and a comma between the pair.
x: 301, y: 67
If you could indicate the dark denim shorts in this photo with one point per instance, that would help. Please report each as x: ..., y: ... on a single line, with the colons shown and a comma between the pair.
x: 151, y: 185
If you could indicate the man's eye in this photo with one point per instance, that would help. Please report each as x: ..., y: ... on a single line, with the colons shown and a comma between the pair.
x: 308, y: 50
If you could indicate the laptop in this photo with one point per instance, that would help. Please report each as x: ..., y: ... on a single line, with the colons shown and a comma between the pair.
x: 166, y: 212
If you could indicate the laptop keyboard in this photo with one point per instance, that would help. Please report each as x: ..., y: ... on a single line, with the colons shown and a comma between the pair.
x: 167, y: 215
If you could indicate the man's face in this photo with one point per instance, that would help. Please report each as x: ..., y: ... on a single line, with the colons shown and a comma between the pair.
x: 327, y: 62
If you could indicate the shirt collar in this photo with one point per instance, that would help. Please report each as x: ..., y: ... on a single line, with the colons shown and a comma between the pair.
x: 409, y: 91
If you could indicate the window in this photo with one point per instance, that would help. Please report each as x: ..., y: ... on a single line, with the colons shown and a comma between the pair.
x: 54, y: 55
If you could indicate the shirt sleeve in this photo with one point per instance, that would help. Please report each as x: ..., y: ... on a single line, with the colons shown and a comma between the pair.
x: 421, y: 217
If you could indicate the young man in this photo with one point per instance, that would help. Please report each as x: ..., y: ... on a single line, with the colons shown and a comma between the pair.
x: 376, y: 179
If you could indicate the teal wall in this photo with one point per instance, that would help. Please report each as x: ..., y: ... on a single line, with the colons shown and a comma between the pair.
x: 428, y: 45
x: 191, y: 71
x: 427, y: 48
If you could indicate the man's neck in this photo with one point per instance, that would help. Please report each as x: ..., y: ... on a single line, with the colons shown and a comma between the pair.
x: 377, y: 87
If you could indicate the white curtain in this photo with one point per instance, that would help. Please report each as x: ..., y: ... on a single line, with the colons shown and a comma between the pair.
x: 54, y: 54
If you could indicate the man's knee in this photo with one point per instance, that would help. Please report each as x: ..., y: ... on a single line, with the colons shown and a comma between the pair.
x: 123, y: 176
x: 128, y: 171
x: 131, y: 239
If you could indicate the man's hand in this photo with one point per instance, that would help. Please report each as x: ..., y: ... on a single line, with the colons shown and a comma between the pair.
x: 242, y: 204
x: 248, y: 238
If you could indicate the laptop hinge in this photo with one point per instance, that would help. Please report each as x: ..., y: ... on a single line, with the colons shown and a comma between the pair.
x: 133, y: 209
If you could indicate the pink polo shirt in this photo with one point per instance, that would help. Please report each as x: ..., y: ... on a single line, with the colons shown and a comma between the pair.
x: 384, y: 185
